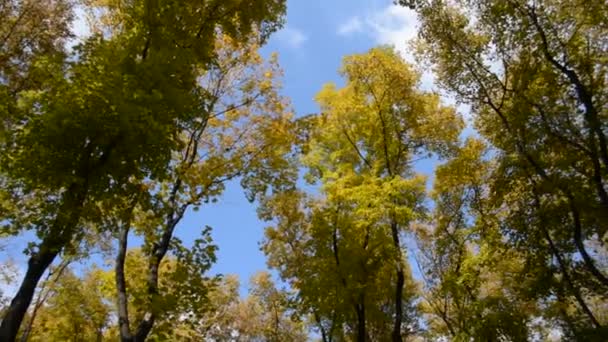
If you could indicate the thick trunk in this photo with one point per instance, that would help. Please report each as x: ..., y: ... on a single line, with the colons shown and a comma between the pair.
x: 37, y: 265
x: 43, y: 294
x: 396, y: 335
x: 60, y: 234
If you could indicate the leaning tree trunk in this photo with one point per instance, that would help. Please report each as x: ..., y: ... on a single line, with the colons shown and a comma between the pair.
x: 60, y: 234
x: 42, y: 297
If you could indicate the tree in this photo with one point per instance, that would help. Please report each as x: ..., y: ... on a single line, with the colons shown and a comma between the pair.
x: 466, y: 268
x: 266, y: 314
x: 246, y: 134
x: 276, y: 319
x: 111, y: 117
x: 534, y: 75
x: 26, y: 38
x: 181, y: 298
x: 45, y: 289
x: 360, y: 149
x: 80, y: 307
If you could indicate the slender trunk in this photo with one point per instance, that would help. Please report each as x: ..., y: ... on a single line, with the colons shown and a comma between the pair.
x: 324, y: 337
x: 396, y: 334
x: 575, y: 292
x: 121, y: 287
x: 566, y: 276
x: 580, y: 246
x: 60, y: 234
x: 361, y: 332
x: 147, y: 323
x: 560, y: 261
x: 159, y: 251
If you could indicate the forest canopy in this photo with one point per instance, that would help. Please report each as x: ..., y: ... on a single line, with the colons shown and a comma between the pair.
x: 110, y: 143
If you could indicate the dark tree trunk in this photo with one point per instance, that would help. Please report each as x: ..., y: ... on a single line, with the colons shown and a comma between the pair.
x: 42, y: 297
x: 13, y: 317
x: 121, y: 287
x: 156, y: 257
x: 580, y: 246
x: 361, y: 331
x: 562, y: 265
x: 396, y: 334
x: 59, y: 235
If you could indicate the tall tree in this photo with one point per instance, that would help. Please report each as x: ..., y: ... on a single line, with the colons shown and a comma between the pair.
x: 469, y: 292
x: 111, y: 116
x: 360, y: 149
x: 534, y: 74
x: 246, y: 134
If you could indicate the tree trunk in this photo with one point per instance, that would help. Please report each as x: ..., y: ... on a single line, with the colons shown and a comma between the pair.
x: 59, y: 235
x: 43, y: 295
x: 158, y: 253
x: 121, y: 287
x: 566, y: 276
x: 580, y: 246
x: 361, y: 331
x: 11, y: 322
x: 560, y: 261
x: 396, y: 334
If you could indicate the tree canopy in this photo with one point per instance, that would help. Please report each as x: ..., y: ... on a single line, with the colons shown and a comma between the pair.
x: 109, y: 142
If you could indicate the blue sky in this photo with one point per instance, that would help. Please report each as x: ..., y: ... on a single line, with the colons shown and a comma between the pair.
x: 318, y: 33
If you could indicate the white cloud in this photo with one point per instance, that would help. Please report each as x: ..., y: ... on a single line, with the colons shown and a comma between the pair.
x: 394, y: 25
x: 291, y: 37
x: 80, y: 25
x: 352, y: 25
x: 80, y: 28
x: 397, y: 26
